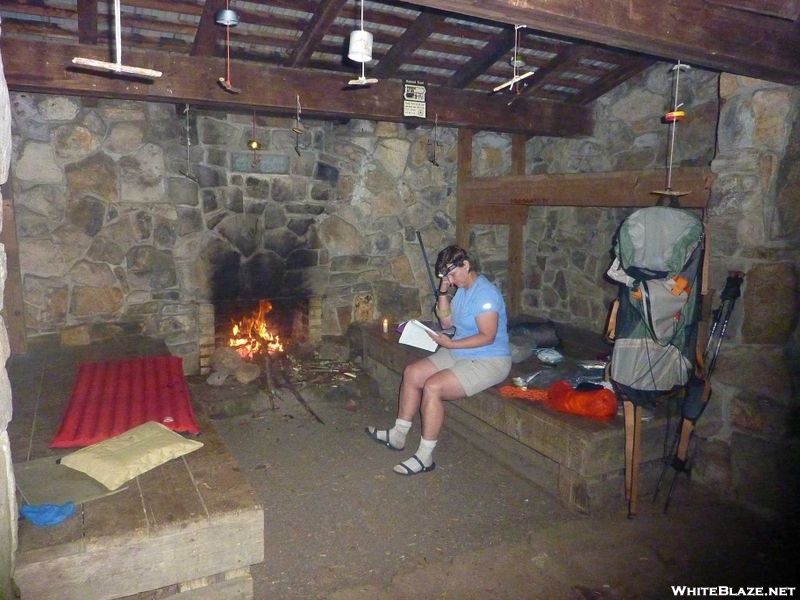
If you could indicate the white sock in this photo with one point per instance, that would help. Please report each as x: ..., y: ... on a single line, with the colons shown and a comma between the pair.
x: 425, y: 451
x: 398, y: 433
x: 424, y: 454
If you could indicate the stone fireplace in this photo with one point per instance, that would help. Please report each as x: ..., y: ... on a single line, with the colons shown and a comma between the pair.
x: 115, y: 237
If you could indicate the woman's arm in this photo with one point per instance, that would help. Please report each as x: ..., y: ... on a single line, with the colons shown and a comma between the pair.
x: 487, y: 331
x: 444, y: 311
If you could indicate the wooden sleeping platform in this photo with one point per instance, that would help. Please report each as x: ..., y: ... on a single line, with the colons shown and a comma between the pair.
x: 579, y: 460
x: 189, y: 529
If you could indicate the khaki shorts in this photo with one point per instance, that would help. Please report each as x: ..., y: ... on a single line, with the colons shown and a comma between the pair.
x: 474, y: 374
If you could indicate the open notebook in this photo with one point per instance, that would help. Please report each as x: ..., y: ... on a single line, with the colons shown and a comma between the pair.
x: 415, y: 334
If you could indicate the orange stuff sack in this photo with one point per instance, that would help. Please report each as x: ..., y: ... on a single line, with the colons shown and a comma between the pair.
x: 595, y: 404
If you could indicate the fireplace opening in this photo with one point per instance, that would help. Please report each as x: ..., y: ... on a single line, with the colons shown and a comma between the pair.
x: 282, y: 321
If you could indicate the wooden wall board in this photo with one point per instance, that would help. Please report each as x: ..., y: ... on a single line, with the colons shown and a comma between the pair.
x: 612, y: 189
x: 495, y: 215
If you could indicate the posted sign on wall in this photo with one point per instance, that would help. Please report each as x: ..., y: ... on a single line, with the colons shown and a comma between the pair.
x: 414, y: 105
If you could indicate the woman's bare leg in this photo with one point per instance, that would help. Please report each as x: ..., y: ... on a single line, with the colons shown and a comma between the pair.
x: 437, y: 389
x: 415, y: 377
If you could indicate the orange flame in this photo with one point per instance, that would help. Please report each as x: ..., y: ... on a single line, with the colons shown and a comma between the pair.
x: 246, y: 335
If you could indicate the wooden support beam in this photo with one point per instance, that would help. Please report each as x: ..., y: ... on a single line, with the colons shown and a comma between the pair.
x: 495, y: 215
x: 413, y: 37
x: 619, y: 188
x: 208, y: 31
x: 315, y: 30
x: 618, y: 76
x: 490, y: 54
x: 516, y: 238
x: 698, y: 33
x: 783, y: 9
x: 516, y: 249
x: 463, y: 175
x: 87, y: 21
x: 325, y: 95
x: 518, y: 143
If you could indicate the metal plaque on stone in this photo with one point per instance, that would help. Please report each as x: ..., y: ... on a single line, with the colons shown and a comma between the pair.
x: 268, y: 163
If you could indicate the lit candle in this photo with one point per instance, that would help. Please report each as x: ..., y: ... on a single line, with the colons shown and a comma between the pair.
x: 386, y: 326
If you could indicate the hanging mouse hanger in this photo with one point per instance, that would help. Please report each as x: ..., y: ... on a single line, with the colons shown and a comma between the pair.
x: 668, y: 195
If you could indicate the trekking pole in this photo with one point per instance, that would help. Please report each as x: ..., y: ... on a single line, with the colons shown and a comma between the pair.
x: 699, y: 390
x: 434, y: 289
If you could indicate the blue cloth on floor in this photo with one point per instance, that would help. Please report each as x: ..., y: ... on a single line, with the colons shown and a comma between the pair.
x: 43, y: 515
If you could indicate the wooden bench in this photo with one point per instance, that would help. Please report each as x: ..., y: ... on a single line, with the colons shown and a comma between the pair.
x: 189, y: 529
x: 579, y: 460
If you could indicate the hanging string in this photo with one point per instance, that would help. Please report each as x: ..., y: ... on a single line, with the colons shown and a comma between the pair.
x: 118, y: 34
x: 228, y: 45
x: 673, y: 125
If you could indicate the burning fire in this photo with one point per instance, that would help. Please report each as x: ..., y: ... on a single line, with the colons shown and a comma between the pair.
x: 250, y: 334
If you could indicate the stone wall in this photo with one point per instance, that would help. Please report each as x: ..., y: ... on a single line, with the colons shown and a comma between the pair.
x: 749, y: 443
x: 113, y: 237
x: 8, y: 502
x: 567, y: 250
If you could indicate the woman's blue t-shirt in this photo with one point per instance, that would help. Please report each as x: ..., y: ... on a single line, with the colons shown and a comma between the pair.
x: 482, y: 296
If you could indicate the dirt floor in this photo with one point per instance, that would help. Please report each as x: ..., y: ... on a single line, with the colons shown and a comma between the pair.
x: 340, y: 525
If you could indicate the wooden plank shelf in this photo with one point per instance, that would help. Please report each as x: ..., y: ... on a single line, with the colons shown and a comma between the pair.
x: 193, y: 523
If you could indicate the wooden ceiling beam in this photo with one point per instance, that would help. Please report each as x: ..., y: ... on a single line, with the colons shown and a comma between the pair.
x: 618, y: 76
x: 558, y: 64
x: 413, y: 37
x: 695, y: 32
x: 208, y: 32
x: 314, y: 31
x: 617, y: 188
x: 40, y: 67
x: 490, y: 54
x: 179, y: 6
x: 39, y: 10
x: 783, y: 9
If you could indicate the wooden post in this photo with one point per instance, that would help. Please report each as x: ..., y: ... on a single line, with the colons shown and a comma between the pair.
x: 516, y: 242
x: 464, y: 173
x: 516, y: 249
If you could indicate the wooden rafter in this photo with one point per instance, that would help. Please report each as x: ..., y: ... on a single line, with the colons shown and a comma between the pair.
x: 619, y: 75
x: 314, y: 31
x: 490, y: 54
x: 87, y: 21
x: 783, y: 9
x: 555, y: 66
x: 413, y: 37
x: 208, y: 32
x: 696, y: 32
